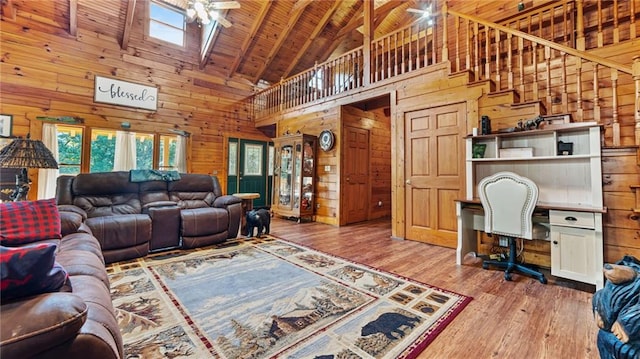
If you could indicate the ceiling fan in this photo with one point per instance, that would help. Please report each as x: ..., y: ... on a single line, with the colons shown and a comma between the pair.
x: 423, y: 12
x: 205, y: 11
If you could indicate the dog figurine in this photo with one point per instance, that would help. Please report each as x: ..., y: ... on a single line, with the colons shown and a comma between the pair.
x: 260, y: 219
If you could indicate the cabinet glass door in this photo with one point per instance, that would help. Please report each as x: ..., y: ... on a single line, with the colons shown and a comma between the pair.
x: 286, y: 175
x: 307, y: 175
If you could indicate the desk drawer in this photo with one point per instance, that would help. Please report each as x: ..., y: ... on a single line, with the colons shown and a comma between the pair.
x: 571, y: 219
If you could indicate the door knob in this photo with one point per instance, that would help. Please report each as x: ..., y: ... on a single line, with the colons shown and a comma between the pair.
x: 408, y: 182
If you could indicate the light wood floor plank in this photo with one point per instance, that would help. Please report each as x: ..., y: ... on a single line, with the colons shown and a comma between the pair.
x: 518, y: 319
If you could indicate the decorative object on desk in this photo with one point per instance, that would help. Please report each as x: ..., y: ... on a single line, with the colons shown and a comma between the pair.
x: 478, y: 150
x: 565, y: 148
x: 528, y: 125
x: 485, y: 125
x: 273, y: 298
x: 326, y: 140
x: 616, y: 310
x: 24, y: 154
x: 6, y: 122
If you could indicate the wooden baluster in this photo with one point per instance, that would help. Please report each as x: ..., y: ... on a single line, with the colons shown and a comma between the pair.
x: 596, y: 94
x: 417, y: 42
x: 377, y: 63
x: 434, y: 37
x: 547, y: 60
x: 497, y: 47
x: 600, y: 34
x: 521, y: 68
x: 616, y: 30
x: 425, y: 55
x: 632, y: 19
x: 404, y: 65
x: 445, y: 33
x: 487, y: 52
x: 579, y: 109
x: 636, y: 78
x: 457, y: 43
x: 534, y: 63
x: 509, y: 61
x: 565, y: 95
x: 565, y: 29
x: 476, y: 55
x: 410, y: 48
x: 468, y: 43
x: 614, y: 94
x: 580, y: 39
x: 395, y: 54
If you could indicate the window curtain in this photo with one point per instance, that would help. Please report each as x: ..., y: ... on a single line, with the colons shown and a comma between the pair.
x: 47, y: 177
x: 125, y: 156
x: 181, y: 154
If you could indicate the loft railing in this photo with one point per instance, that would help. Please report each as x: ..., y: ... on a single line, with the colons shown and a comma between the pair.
x: 539, y: 53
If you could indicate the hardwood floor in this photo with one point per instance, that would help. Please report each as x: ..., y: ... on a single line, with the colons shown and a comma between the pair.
x: 518, y: 319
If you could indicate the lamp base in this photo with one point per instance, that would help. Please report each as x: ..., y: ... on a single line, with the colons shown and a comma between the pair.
x: 23, y: 184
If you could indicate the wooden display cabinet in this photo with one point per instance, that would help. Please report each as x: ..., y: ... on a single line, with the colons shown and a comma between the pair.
x: 294, y: 176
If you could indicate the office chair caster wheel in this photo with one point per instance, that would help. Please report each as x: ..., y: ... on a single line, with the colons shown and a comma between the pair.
x: 543, y: 280
x: 507, y: 277
x: 485, y: 266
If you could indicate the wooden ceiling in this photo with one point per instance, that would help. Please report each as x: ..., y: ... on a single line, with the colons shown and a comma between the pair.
x: 268, y: 40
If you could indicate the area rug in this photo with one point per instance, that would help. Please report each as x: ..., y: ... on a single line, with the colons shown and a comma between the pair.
x: 270, y: 298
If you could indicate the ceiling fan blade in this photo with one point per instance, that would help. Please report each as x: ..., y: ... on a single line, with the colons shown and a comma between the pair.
x: 224, y: 22
x: 225, y: 5
x: 417, y: 11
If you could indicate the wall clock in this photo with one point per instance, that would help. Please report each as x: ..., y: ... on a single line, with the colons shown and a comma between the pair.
x: 327, y: 140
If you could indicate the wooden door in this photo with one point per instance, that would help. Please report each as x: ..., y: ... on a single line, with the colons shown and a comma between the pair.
x: 356, y: 174
x: 248, y: 169
x: 434, y: 173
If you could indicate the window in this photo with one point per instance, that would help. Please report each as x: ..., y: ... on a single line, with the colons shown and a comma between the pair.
x: 166, y: 23
x: 102, y: 150
x: 69, y: 149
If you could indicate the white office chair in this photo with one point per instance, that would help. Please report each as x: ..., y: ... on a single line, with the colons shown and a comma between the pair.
x: 508, y: 201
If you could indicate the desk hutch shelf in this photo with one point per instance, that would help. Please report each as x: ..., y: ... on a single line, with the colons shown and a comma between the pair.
x: 565, y: 163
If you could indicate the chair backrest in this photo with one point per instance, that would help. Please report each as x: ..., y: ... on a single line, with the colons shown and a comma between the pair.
x: 508, y: 201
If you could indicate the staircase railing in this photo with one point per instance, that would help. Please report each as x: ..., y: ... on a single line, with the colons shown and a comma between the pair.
x: 547, y: 63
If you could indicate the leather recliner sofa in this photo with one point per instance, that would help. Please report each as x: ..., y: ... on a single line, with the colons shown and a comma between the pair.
x: 129, y: 219
x: 78, y: 320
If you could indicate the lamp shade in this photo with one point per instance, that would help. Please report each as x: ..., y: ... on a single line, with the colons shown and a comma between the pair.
x: 27, y: 153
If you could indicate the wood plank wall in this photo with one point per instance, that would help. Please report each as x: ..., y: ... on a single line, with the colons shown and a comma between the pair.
x: 47, y: 72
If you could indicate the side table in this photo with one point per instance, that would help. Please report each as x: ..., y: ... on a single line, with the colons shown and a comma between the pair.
x: 247, y: 205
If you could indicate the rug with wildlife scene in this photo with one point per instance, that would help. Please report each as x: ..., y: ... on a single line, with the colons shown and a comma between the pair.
x: 264, y: 298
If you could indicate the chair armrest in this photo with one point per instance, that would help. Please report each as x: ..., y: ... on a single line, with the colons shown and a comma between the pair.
x: 226, y: 200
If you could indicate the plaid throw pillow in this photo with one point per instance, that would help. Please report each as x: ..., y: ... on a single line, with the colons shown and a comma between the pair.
x: 29, y: 270
x: 29, y: 221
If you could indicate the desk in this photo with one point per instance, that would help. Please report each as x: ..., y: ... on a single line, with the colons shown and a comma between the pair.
x: 575, y: 232
x: 247, y: 205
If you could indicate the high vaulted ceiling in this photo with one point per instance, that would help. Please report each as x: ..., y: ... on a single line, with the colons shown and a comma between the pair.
x: 268, y: 40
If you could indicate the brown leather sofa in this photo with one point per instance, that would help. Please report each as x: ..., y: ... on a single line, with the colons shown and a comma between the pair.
x: 131, y: 218
x: 79, y: 320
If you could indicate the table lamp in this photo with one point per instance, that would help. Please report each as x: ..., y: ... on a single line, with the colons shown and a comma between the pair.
x: 23, y: 154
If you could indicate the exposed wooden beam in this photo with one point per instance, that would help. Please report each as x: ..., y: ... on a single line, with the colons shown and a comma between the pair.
x: 368, y: 38
x: 321, y: 25
x: 257, y: 22
x: 8, y: 10
x: 128, y: 23
x: 380, y: 14
x: 300, y: 5
x: 294, y: 15
x: 73, y: 17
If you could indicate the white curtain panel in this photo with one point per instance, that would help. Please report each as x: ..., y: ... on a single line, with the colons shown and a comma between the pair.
x: 125, y: 156
x: 47, y: 177
x: 181, y: 154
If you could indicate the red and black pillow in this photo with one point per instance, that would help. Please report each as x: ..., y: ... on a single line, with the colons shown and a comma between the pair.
x: 29, y: 270
x: 29, y: 221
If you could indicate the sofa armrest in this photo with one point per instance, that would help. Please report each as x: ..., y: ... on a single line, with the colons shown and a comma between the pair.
x: 73, y: 209
x: 70, y: 222
x: 34, y: 325
x: 225, y: 201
